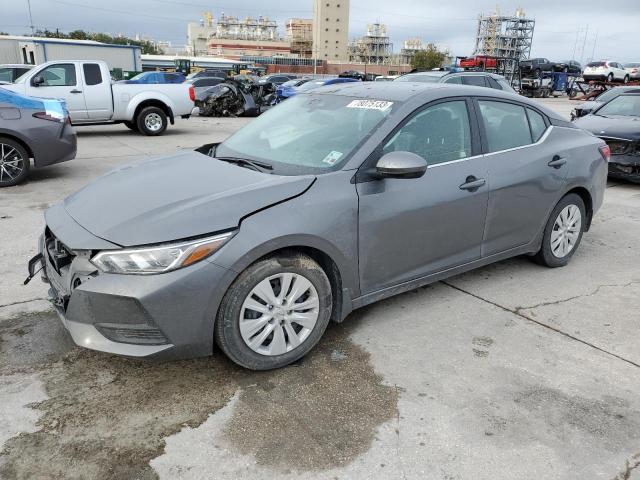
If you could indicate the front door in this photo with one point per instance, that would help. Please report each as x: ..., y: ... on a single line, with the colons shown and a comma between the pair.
x: 412, y: 228
x: 62, y: 80
x: 527, y: 162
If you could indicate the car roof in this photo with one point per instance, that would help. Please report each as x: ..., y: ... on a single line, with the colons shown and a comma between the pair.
x: 422, y: 93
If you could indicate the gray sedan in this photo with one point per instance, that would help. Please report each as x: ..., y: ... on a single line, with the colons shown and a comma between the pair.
x: 32, y: 128
x: 328, y: 202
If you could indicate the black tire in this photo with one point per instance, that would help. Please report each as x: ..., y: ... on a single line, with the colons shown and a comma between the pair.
x: 626, y: 79
x: 131, y: 126
x: 610, y: 78
x: 538, y: 73
x: 545, y: 255
x: 14, y: 162
x: 151, y: 121
x: 227, y: 332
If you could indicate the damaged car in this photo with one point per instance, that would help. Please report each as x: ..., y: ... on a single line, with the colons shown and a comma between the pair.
x: 236, y: 97
x: 328, y: 202
x: 618, y: 124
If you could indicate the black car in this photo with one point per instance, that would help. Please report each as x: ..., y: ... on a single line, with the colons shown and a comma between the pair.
x: 568, y: 66
x: 353, y: 74
x: 536, y: 66
x: 618, y: 123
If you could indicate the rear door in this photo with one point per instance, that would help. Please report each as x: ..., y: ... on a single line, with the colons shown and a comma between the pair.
x: 62, y: 80
x: 97, y: 92
x: 527, y: 167
x: 409, y: 229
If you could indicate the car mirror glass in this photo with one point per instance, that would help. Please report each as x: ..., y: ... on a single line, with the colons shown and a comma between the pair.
x: 37, y: 80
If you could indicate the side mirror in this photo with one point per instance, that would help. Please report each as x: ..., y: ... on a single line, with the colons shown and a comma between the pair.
x: 401, y: 165
x: 37, y: 80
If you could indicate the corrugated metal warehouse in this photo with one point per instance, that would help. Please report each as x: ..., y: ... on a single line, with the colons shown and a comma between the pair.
x: 36, y: 50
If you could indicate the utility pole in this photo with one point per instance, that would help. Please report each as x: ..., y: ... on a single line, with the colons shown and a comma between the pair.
x: 33, y: 30
x: 593, y: 52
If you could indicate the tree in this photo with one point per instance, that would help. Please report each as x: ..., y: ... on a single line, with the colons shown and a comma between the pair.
x: 428, y: 58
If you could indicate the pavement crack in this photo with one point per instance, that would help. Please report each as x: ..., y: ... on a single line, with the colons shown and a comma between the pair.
x: 22, y: 302
x: 629, y: 468
x: 575, y: 297
x: 520, y: 314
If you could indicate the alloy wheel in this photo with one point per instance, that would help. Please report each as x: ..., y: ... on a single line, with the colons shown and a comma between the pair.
x: 11, y: 163
x: 279, y: 314
x: 566, y: 231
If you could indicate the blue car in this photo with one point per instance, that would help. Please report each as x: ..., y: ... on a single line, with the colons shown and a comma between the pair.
x: 156, y: 77
x: 289, y: 89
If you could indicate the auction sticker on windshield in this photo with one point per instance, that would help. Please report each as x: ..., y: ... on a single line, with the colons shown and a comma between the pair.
x: 371, y: 104
x: 332, y: 158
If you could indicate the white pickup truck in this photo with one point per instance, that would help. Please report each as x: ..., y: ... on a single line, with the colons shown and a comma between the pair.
x: 92, y: 98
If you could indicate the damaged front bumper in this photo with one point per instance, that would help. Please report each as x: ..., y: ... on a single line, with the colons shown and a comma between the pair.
x: 169, y: 315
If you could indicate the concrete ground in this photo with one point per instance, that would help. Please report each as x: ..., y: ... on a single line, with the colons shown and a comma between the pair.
x: 512, y: 371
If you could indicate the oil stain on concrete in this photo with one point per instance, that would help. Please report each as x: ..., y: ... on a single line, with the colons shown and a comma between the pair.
x: 106, y: 417
x: 320, y: 414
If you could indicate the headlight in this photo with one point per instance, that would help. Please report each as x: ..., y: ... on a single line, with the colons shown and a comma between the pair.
x: 160, y: 259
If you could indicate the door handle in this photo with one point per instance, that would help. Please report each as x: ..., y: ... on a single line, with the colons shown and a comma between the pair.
x: 472, y: 183
x: 75, y: 91
x: 557, y: 162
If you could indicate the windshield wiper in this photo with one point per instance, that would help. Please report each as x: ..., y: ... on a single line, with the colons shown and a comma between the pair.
x: 258, y: 166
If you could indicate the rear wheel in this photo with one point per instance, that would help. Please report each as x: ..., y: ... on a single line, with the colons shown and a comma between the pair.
x: 14, y: 162
x: 610, y: 77
x: 563, y: 232
x: 275, y: 312
x: 626, y: 79
x: 151, y: 121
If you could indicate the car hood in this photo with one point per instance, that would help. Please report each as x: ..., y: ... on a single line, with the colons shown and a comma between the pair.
x: 614, y: 126
x: 588, y: 105
x: 176, y: 197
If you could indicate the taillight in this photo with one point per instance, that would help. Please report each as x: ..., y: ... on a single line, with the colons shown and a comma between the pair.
x: 51, y: 116
x: 192, y: 93
x: 605, y: 151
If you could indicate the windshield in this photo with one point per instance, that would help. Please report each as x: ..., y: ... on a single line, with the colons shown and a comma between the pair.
x: 6, y: 74
x: 596, y: 64
x: 292, y: 83
x: 307, y: 133
x: 421, y: 77
x: 626, y: 105
x: 608, y: 95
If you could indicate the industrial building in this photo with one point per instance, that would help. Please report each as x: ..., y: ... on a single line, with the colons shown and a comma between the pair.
x: 256, y: 29
x: 331, y: 30
x: 36, y: 50
x: 409, y: 48
x: 374, y: 47
x: 506, y: 37
x: 300, y: 36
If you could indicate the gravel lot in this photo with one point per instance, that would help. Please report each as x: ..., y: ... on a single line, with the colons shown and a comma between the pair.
x: 512, y: 371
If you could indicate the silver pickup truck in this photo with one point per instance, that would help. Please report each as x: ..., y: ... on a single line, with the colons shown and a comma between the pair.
x: 92, y: 98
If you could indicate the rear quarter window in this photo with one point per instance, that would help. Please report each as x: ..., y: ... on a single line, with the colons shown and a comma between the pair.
x: 92, y: 74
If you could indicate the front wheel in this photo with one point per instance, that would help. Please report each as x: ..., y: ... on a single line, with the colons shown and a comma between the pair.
x: 275, y: 312
x: 563, y: 232
x: 610, y: 78
x: 151, y: 121
x: 626, y: 79
x: 14, y: 162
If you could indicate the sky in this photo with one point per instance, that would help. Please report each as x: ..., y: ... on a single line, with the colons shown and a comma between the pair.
x: 581, y: 30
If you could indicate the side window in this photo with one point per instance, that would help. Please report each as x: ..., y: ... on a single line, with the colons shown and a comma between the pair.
x: 440, y: 133
x: 505, y: 124
x: 457, y: 80
x: 474, y: 80
x: 537, y: 123
x: 493, y: 83
x: 59, y: 75
x: 92, y: 74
